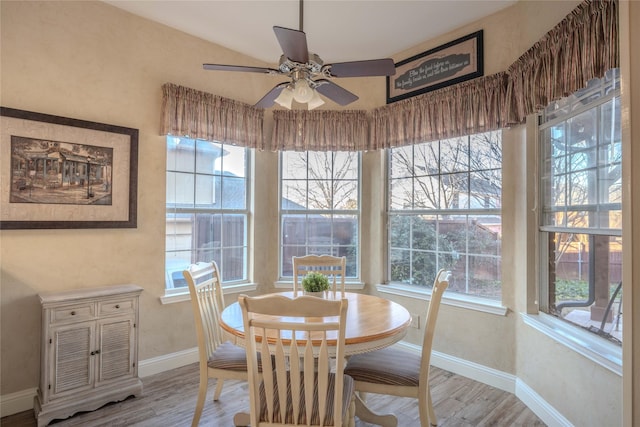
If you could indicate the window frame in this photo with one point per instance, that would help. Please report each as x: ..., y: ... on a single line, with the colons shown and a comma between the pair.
x: 422, y: 291
x: 590, y: 344
x: 176, y: 294
x: 352, y: 281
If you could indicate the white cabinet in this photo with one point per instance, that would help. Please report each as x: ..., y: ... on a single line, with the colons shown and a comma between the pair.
x: 89, y: 350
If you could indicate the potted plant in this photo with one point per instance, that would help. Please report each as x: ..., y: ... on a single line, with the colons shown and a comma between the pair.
x: 315, y: 284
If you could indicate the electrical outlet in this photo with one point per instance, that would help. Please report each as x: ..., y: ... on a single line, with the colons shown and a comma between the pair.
x: 415, y: 321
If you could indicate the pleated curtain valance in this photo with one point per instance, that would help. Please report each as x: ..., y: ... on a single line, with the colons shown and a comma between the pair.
x: 320, y: 130
x: 583, y: 46
x: 201, y: 115
x: 463, y: 109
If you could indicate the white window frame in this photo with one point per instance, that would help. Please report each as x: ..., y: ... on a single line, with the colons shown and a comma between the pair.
x: 353, y: 280
x: 237, y: 286
x: 420, y: 291
x: 586, y: 343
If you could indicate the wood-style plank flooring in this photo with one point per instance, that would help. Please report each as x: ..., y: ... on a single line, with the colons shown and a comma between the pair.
x: 169, y: 399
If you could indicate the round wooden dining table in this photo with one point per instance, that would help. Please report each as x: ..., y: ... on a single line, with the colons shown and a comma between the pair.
x: 372, y: 323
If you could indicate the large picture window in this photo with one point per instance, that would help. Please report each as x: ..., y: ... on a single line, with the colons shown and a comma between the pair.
x: 206, y: 209
x: 444, y: 203
x: 319, y: 207
x: 581, y: 198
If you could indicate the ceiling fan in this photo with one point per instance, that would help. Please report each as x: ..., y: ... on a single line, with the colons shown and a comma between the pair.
x: 308, y: 73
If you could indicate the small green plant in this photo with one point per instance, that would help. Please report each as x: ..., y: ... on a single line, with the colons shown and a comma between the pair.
x: 315, y: 282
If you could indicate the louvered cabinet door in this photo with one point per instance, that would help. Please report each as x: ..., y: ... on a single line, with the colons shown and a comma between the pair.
x: 117, y: 339
x: 89, y: 350
x: 72, y: 360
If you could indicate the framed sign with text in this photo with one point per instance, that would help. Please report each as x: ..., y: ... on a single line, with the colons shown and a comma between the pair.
x: 451, y: 63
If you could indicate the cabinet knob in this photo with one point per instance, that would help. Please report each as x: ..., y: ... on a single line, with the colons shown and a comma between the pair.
x: 73, y: 313
x: 93, y: 353
x: 97, y: 351
x: 117, y: 305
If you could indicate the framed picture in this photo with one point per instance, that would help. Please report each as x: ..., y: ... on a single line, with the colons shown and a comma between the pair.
x: 451, y: 63
x: 57, y: 172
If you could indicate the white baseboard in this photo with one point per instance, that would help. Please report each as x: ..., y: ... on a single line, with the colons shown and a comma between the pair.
x: 167, y: 362
x: 19, y: 401
x: 498, y: 379
x: 475, y: 371
x: 547, y: 413
x: 23, y: 400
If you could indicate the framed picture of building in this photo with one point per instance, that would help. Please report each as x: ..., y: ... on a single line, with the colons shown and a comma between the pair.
x: 451, y: 63
x: 58, y: 172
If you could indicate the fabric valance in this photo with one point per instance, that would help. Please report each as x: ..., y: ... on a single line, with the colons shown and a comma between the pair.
x: 189, y: 112
x: 583, y: 46
x: 470, y: 107
x: 320, y: 130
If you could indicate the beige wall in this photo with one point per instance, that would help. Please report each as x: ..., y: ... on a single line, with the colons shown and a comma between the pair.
x: 90, y: 61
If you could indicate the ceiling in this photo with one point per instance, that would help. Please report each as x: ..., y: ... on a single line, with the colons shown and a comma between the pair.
x: 336, y: 30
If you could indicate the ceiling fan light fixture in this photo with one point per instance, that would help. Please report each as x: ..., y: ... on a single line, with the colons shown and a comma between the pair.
x: 315, y: 102
x: 302, y: 93
x: 285, y: 98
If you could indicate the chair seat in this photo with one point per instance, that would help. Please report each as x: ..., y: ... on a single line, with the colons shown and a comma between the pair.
x: 389, y: 366
x: 347, y: 395
x: 228, y: 356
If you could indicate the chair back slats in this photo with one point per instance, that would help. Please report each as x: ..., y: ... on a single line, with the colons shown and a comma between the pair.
x: 332, y: 267
x: 207, y: 300
x: 439, y: 286
x: 294, y: 369
x: 298, y: 388
x: 323, y: 377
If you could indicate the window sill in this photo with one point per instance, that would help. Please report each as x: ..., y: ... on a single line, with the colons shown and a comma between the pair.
x: 453, y: 299
x: 352, y: 286
x: 230, y: 289
x: 594, y: 348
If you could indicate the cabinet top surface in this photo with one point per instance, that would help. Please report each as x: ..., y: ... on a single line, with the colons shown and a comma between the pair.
x: 76, y: 294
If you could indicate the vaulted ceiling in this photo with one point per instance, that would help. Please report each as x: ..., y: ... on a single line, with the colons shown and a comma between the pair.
x: 336, y: 30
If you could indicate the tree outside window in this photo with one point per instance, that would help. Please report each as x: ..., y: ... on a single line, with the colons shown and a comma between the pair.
x: 319, y: 207
x: 444, y: 212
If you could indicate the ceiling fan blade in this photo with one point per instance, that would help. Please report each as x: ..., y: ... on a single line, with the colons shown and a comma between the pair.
x: 269, y: 99
x: 335, y: 92
x: 372, y: 67
x: 293, y: 44
x: 220, y: 67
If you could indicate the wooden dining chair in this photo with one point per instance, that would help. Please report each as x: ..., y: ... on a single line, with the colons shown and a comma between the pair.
x: 297, y: 386
x: 331, y: 266
x: 218, y: 358
x: 395, y: 372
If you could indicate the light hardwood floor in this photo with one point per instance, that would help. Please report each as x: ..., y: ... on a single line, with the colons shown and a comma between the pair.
x: 169, y: 399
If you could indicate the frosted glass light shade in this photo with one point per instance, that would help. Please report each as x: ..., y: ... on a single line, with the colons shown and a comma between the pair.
x: 302, y: 93
x: 285, y: 98
x: 315, y: 101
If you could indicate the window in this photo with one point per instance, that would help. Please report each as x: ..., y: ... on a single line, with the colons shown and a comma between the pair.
x: 319, y: 207
x: 581, y: 199
x: 207, y: 195
x: 444, y: 212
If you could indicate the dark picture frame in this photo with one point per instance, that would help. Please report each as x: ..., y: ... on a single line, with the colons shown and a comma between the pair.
x: 445, y: 65
x: 61, y: 173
